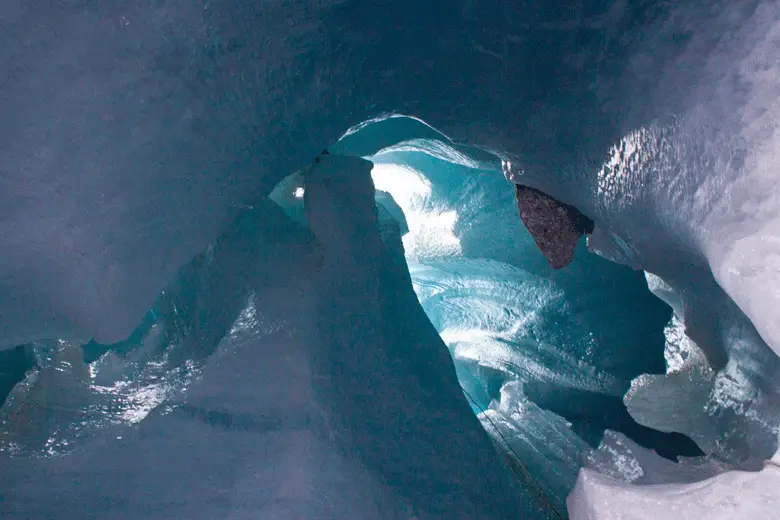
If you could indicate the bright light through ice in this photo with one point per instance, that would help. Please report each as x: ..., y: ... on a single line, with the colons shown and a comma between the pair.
x: 298, y: 192
x: 431, y: 227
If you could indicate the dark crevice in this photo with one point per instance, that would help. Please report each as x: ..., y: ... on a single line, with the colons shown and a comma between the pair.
x: 14, y: 365
x: 592, y: 413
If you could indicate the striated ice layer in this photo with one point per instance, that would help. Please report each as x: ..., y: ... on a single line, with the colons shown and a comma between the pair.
x: 543, y: 356
x: 730, y: 411
x: 500, y: 318
x: 539, y: 445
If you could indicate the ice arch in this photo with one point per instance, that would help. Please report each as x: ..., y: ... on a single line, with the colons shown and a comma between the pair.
x: 134, y: 135
x: 525, y: 347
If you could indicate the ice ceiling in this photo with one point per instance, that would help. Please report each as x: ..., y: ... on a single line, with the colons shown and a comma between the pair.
x: 309, y: 340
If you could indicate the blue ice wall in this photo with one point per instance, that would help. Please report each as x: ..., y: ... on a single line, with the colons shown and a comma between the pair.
x: 544, y: 356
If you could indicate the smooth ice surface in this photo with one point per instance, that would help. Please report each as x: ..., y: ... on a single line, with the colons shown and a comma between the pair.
x: 731, y: 495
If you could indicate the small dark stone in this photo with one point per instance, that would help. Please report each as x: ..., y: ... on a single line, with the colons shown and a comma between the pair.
x: 555, y: 226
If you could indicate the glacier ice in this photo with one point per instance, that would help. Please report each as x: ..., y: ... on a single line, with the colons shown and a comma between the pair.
x: 364, y: 300
x: 359, y: 394
x: 516, y: 332
x: 497, y: 320
x: 137, y: 138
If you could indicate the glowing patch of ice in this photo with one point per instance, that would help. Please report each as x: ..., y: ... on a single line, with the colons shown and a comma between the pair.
x: 431, y: 229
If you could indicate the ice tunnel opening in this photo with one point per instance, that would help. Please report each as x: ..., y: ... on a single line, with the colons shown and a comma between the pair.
x: 523, y: 362
x: 546, y: 357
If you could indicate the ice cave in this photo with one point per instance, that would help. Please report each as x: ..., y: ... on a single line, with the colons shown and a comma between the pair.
x: 390, y: 259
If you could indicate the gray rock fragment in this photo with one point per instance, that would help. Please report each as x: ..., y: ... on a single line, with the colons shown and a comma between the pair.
x: 555, y: 226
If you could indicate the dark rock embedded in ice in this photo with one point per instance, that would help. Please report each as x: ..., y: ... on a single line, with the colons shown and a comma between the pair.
x: 555, y: 226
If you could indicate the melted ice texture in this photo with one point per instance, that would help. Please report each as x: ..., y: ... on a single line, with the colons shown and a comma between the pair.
x: 138, y: 137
